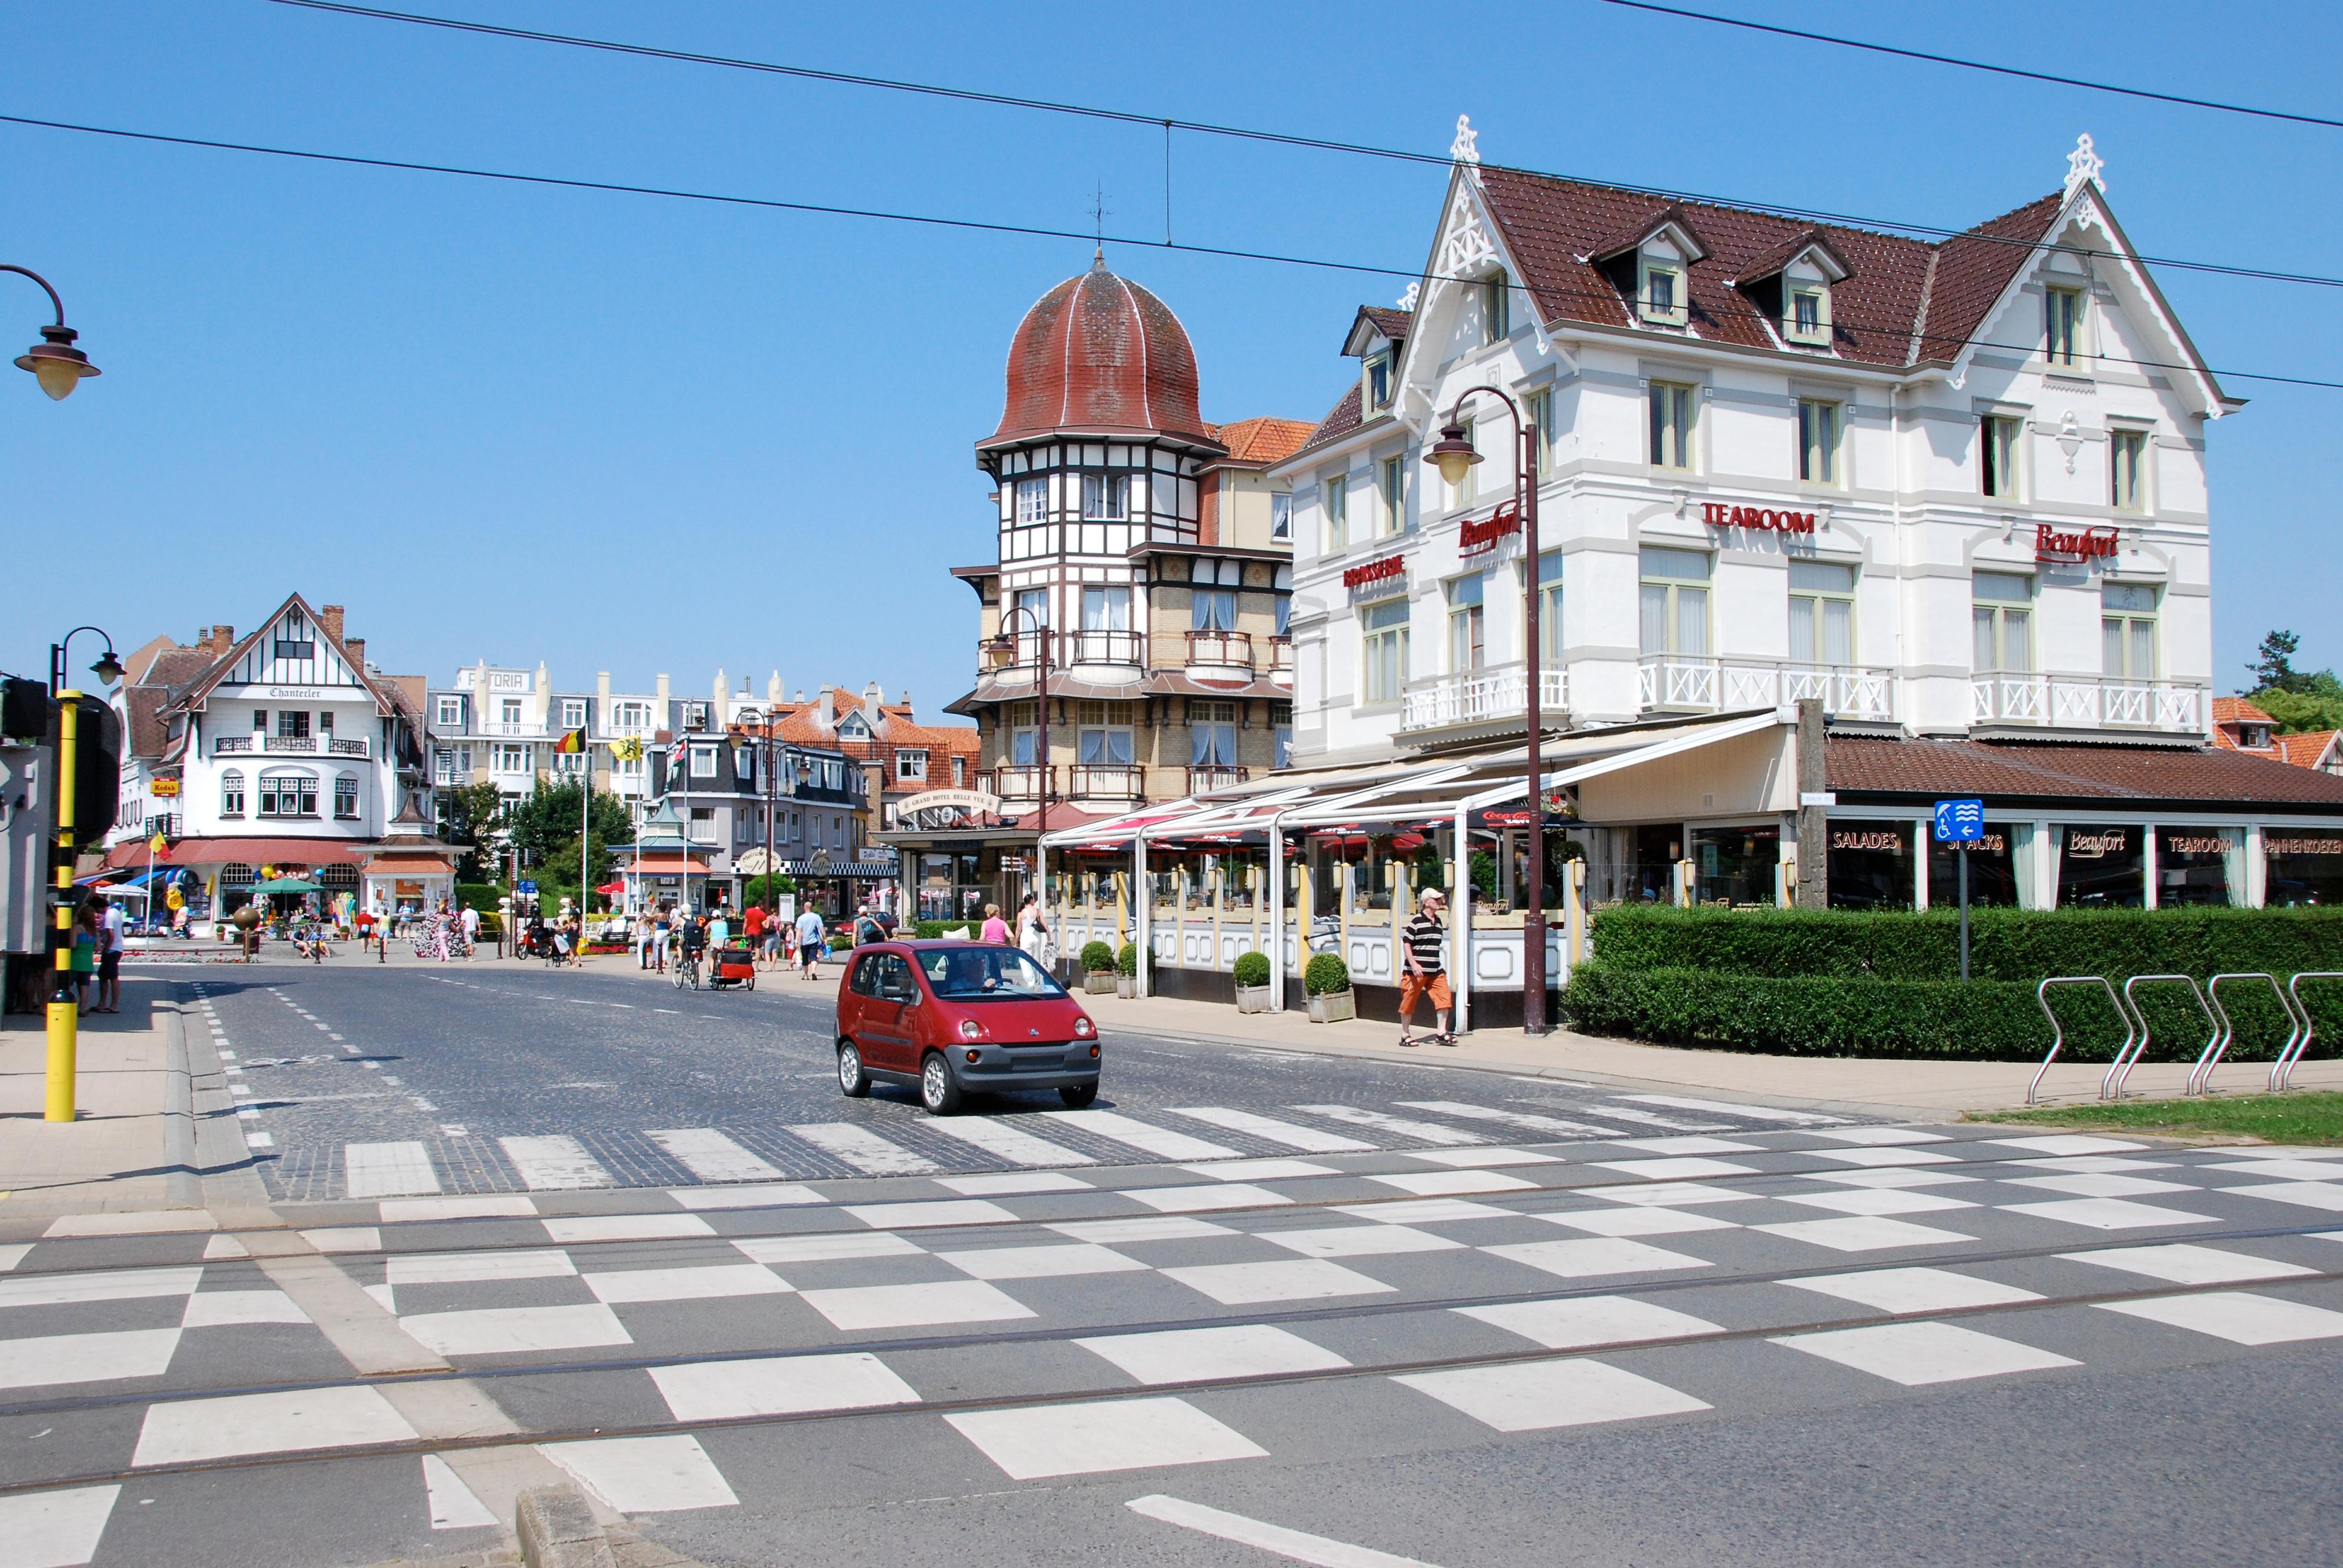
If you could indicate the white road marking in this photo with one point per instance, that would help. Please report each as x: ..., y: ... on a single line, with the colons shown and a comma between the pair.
x: 1117, y: 1128
x: 1205, y: 1355
x: 1480, y: 1159
x: 863, y: 1148
x: 1309, y: 1140
x: 1454, y: 1183
x: 468, y: 1268
x: 2238, y: 1316
x: 222, y: 1308
x: 2067, y: 1144
x: 503, y: 1330
x: 387, y: 1170
x: 2181, y: 1263
x: 1594, y: 1255
x: 644, y: 1474
x: 345, y: 1239
x: 824, y: 1248
x: 465, y: 1206
x: 1112, y: 1232
x: 1201, y: 1198
x: 923, y: 1216
x: 707, y: 1282
x: 115, y: 1285
x: 1901, y: 1291
x: 1535, y: 1123
x: 767, y: 1194
x: 1631, y: 1220
x: 780, y: 1386
x: 1087, y: 1439
x: 1695, y: 1143
x: 914, y: 1306
x: 47, y: 1358
x: 185, y: 1431
x: 1007, y: 1183
x: 1273, y: 1538
x: 626, y: 1227
x: 1052, y: 1261
x: 1299, y: 1279
x: 2110, y: 1214
x: 1681, y: 1168
x: 1877, y: 1159
x: 1011, y: 1143
x: 56, y: 1529
x: 1863, y: 1234
x: 1363, y: 1241
x: 1537, y: 1396
x: 12, y: 1254
x: 1883, y: 1135
x: 1753, y: 1112
x: 1421, y: 1132
x: 1878, y: 1200
x: 2327, y: 1195
x: 453, y: 1505
x: 2102, y: 1186
x: 1917, y: 1354
x: 1259, y: 1170
x: 712, y: 1157
x: 558, y: 1163
x: 1582, y: 1322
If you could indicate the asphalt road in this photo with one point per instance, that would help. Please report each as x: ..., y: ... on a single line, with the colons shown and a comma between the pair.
x: 1478, y: 1341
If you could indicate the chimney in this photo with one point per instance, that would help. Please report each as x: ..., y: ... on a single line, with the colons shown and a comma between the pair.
x: 602, y: 690
x: 800, y: 694
x: 356, y: 649
x: 874, y: 697
x: 223, y: 639
x: 329, y: 616
x: 906, y: 703
x: 773, y: 689
x: 830, y: 708
x: 662, y: 692
x: 720, y: 710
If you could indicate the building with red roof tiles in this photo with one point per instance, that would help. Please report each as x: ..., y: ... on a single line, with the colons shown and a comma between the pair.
x: 901, y: 758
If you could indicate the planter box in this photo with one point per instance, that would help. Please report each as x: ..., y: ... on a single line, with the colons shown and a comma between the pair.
x: 1253, y: 999
x: 1126, y: 986
x: 1103, y: 982
x: 1335, y: 1007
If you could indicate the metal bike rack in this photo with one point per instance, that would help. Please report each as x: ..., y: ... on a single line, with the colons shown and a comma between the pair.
x: 2282, y: 1070
x: 2058, y: 1030
x: 2112, y: 1086
x: 2200, y: 1076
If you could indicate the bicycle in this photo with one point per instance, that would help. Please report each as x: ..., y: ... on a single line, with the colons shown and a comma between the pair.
x: 687, y: 972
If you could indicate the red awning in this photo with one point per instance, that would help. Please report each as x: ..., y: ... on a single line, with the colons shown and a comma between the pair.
x: 249, y: 851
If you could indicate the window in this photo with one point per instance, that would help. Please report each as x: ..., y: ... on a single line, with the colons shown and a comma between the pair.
x: 2002, y: 618
x: 512, y: 758
x: 1392, y: 476
x: 1998, y: 444
x: 1280, y: 515
x: 1020, y: 717
x: 1286, y: 615
x: 292, y: 638
x: 345, y: 798
x: 1212, y: 609
x: 1382, y: 645
x: 1661, y: 298
x: 451, y: 712
x: 1104, y: 734
x: 285, y: 794
x: 744, y: 767
x: 2128, y: 455
x: 1034, y: 500
x: 1378, y: 382
x: 1540, y: 414
x: 260, y: 721
x: 633, y: 716
x: 1807, y: 318
x: 1817, y: 442
x: 1461, y: 493
x: 573, y: 713
x: 960, y: 772
x: 1674, y: 603
x: 911, y: 766
x: 703, y: 762
x: 325, y: 722
x: 703, y: 825
x: 1104, y: 496
x: 2127, y: 630
x: 2062, y: 311
x: 232, y: 793
x: 1212, y: 733
x: 510, y: 711
x: 1822, y: 614
x: 695, y: 715
x: 1280, y: 724
x: 1496, y: 323
x: 1338, y: 512
x: 568, y: 761
x: 1106, y: 610
x: 1465, y: 648
x: 1670, y: 409
x: 1549, y: 571
x: 293, y: 724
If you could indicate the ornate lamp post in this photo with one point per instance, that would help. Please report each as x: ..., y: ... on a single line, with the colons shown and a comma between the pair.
x: 1453, y: 456
x: 1001, y: 651
x: 54, y: 361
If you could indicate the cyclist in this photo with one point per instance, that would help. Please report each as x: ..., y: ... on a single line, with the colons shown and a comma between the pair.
x: 695, y: 942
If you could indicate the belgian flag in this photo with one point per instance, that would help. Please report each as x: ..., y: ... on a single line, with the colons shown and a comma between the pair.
x: 572, y: 742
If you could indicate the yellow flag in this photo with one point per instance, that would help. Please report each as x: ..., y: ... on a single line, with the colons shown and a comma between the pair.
x: 159, y: 844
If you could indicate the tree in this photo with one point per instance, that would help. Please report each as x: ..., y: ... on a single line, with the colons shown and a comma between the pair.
x: 2320, y: 708
x: 474, y: 828
x: 2273, y: 666
x: 544, y: 824
x: 757, y: 891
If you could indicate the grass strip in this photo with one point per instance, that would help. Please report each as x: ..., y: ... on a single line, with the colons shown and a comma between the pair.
x: 2308, y: 1117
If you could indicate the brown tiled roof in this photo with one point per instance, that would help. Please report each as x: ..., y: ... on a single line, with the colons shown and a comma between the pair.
x: 1099, y: 353
x: 1392, y: 324
x: 1340, y: 421
x: 2007, y: 771
x: 1767, y: 263
x: 1258, y: 442
x: 1972, y: 269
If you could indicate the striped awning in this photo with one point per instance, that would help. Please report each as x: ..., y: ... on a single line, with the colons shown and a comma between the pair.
x: 862, y: 870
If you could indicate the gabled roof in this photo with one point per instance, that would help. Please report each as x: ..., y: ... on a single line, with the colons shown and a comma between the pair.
x: 1671, y: 215
x: 1374, y: 321
x: 389, y: 699
x: 1770, y: 263
x: 1340, y: 420
x: 1259, y: 442
x: 2312, y: 748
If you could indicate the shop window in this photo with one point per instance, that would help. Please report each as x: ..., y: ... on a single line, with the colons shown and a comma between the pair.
x: 2001, y: 617
x: 2301, y: 867
x: 1993, y: 871
x: 232, y: 793
x: 1669, y: 408
x: 2193, y: 866
x: 1337, y: 489
x: 1822, y: 614
x: 1997, y: 456
x: 1383, y: 650
x: 2062, y: 311
x: 1870, y: 865
x: 1736, y: 865
x: 1392, y: 486
x: 1549, y: 575
x: 2127, y: 630
x: 1104, y: 497
x: 1467, y: 650
x: 1818, y: 424
x: 2128, y: 470
x: 2098, y: 868
x: 1674, y: 602
x: 345, y: 798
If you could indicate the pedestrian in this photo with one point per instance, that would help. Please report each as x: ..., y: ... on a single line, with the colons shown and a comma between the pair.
x: 809, y: 941
x: 660, y: 929
x: 109, y: 959
x: 1033, y: 931
x: 996, y: 930
x: 774, y: 928
x: 719, y: 930
x: 471, y: 929
x: 752, y: 931
x: 86, y: 934
x: 1424, y: 975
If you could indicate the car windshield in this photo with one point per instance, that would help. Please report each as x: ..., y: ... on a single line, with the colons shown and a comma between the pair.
x: 986, y: 974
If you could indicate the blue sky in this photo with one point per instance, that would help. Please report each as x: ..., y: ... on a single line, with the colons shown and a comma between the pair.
x: 618, y: 433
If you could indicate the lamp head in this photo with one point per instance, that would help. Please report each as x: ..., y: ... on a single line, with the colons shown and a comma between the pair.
x: 56, y: 363
x: 107, y: 668
x: 1452, y: 454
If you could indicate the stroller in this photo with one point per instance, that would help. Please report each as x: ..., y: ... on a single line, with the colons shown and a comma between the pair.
x: 733, y: 966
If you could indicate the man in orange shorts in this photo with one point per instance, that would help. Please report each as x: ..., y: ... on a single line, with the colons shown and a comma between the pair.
x: 1423, y: 974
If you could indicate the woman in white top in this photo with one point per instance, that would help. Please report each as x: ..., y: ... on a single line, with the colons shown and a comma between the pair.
x: 1032, y: 932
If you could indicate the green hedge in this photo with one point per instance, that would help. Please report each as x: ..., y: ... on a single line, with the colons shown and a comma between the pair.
x: 477, y: 895
x: 1098, y: 959
x: 1325, y: 974
x: 933, y: 931
x: 1252, y: 971
x: 2019, y: 945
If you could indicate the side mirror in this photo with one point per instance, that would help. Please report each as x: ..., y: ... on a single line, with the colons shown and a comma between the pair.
x: 911, y: 995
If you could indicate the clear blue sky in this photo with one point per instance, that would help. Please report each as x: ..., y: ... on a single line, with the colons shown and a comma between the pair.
x: 615, y: 432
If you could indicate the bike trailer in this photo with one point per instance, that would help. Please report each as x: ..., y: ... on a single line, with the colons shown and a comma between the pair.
x: 734, y: 966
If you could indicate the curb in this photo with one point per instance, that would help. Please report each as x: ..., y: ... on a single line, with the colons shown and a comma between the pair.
x: 557, y: 1530
x: 184, y: 1183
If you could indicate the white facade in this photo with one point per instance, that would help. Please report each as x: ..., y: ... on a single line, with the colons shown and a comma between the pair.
x: 1911, y: 586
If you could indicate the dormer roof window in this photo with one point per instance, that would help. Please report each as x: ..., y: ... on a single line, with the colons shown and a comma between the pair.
x: 1379, y: 381
x: 1792, y: 283
x: 1660, y: 291
x: 1664, y: 247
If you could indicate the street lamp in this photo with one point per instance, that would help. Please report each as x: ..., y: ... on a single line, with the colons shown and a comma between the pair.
x: 54, y: 361
x: 1453, y: 456
x: 108, y: 668
x: 1001, y: 650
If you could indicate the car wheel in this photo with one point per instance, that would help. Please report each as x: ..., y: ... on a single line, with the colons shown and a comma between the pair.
x: 1078, y: 1095
x: 937, y: 1092
x: 852, y: 1081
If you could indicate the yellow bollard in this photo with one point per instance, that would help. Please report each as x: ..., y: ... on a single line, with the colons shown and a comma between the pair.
x: 65, y: 1002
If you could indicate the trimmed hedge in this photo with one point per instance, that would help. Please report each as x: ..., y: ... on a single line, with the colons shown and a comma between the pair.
x: 1252, y: 971
x: 1098, y: 959
x: 2027, y: 945
x: 1325, y: 974
x: 932, y: 931
x: 1127, y: 961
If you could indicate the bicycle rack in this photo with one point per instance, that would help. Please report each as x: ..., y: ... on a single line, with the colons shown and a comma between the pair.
x: 2058, y: 1030
x: 2112, y: 1086
x: 2200, y: 1076
x: 2282, y: 1070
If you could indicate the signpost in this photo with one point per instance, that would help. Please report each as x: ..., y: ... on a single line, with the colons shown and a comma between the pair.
x: 1961, y: 822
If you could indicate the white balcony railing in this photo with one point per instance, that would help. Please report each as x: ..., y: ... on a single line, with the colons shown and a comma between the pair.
x: 505, y: 730
x: 1095, y: 647
x: 1230, y: 649
x: 1107, y: 781
x: 1723, y: 685
x: 2087, y: 702
x: 1475, y: 696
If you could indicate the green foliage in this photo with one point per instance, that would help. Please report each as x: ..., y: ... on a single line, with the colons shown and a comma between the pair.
x: 758, y: 889
x: 1098, y: 958
x: 546, y: 822
x: 474, y: 828
x: 1127, y: 962
x: 492, y: 924
x: 2316, y: 708
x: 2300, y: 1118
x: 480, y: 895
x: 1251, y: 970
x: 2273, y: 666
x: 1482, y: 866
x: 932, y: 931
x: 1325, y: 974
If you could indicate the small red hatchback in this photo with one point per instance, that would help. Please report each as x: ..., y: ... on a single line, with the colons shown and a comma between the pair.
x: 958, y: 1018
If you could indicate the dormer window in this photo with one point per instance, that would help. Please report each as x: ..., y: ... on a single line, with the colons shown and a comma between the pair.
x: 1661, y: 293
x: 1808, y: 318
x: 1379, y: 381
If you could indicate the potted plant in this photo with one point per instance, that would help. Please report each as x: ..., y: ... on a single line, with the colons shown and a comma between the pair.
x: 1126, y: 963
x: 1328, y: 981
x: 1253, y: 978
x: 1098, y: 968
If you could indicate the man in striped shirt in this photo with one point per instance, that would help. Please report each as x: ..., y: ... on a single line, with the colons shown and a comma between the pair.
x: 1423, y: 973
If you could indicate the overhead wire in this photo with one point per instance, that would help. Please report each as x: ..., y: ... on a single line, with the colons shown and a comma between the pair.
x: 1904, y: 329
x: 1206, y: 127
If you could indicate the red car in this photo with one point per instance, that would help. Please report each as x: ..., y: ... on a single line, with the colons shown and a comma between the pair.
x: 960, y: 1018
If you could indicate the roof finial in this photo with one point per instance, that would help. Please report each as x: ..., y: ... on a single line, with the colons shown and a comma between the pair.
x: 1467, y: 147
x: 1407, y: 300
x: 1098, y: 222
x: 2083, y: 166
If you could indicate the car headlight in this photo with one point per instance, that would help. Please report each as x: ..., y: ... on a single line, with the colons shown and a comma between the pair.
x: 971, y: 1029
x: 1082, y: 1027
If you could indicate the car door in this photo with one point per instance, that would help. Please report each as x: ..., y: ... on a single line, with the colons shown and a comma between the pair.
x: 856, y: 1000
x: 889, y: 1044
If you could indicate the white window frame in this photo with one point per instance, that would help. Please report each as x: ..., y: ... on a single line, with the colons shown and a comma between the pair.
x: 1674, y: 313
x: 1820, y: 601
x: 1106, y: 498
x: 911, y: 766
x: 1468, y: 625
x: 1539, y: 407
x: 1461, y: 493
x: 1816, y: 333
x: 1335, y: 492
x: 573, y: 713
x: 2065, y: 318
x: 1496, y: 309
x: 232, y: 793
x: 2000, y: 603
x: 1382, y: 651
x: 1821, y: 430
x: 1677, y: 615
x: 1281, y: 513
x: 1550, y: 576
x: 1391, y: 492
x: 1032, y: 500
x: 2131, y: 628
x: 703, y: 762
x: 451, y: 712
x: 2127, y: 467
x: 1670, y: 425
x: 2001, y: 447
x: 346, y: 788
x: 1106, y: 607
x: 1379, y: 365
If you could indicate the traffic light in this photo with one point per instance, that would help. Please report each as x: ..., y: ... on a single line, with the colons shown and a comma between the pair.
x: 24, y: 708
x: 97, y: 769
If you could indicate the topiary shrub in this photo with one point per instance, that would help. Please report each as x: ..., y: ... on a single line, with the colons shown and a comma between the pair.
x: 1098, y: 959
x: 1127, y: 961
x: 1252, y: 970
x: 1326, y: 974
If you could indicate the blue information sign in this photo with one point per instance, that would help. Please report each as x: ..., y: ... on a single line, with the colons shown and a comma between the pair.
x: 530, y: 886
x: 1960, y: 821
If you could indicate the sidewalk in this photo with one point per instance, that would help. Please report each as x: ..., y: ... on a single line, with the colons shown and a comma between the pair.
x: 1864, y: 1085
x: 132, y: 1149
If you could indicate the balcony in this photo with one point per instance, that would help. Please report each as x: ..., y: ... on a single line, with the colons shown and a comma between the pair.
x: 1012, y: 783
x: 1281, y: 655
x: 1108, y: 781
x: 1481, y: 697
x: 1670, y: 684
x: 291, y: 746
x: 504, y: 730
x: 1094, y: 646
x: 1226, y: 649
x: 336, y: 747
x: 1201, y: 780
x: 2087, y: 702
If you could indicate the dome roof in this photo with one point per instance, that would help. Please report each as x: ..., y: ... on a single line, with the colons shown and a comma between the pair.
x: 1101, y: 353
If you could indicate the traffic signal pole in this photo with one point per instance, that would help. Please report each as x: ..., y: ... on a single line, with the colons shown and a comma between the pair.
x: 64, y: 1001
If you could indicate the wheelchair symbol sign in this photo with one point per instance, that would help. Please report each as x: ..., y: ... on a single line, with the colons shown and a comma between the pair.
x: 1959, y: 821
